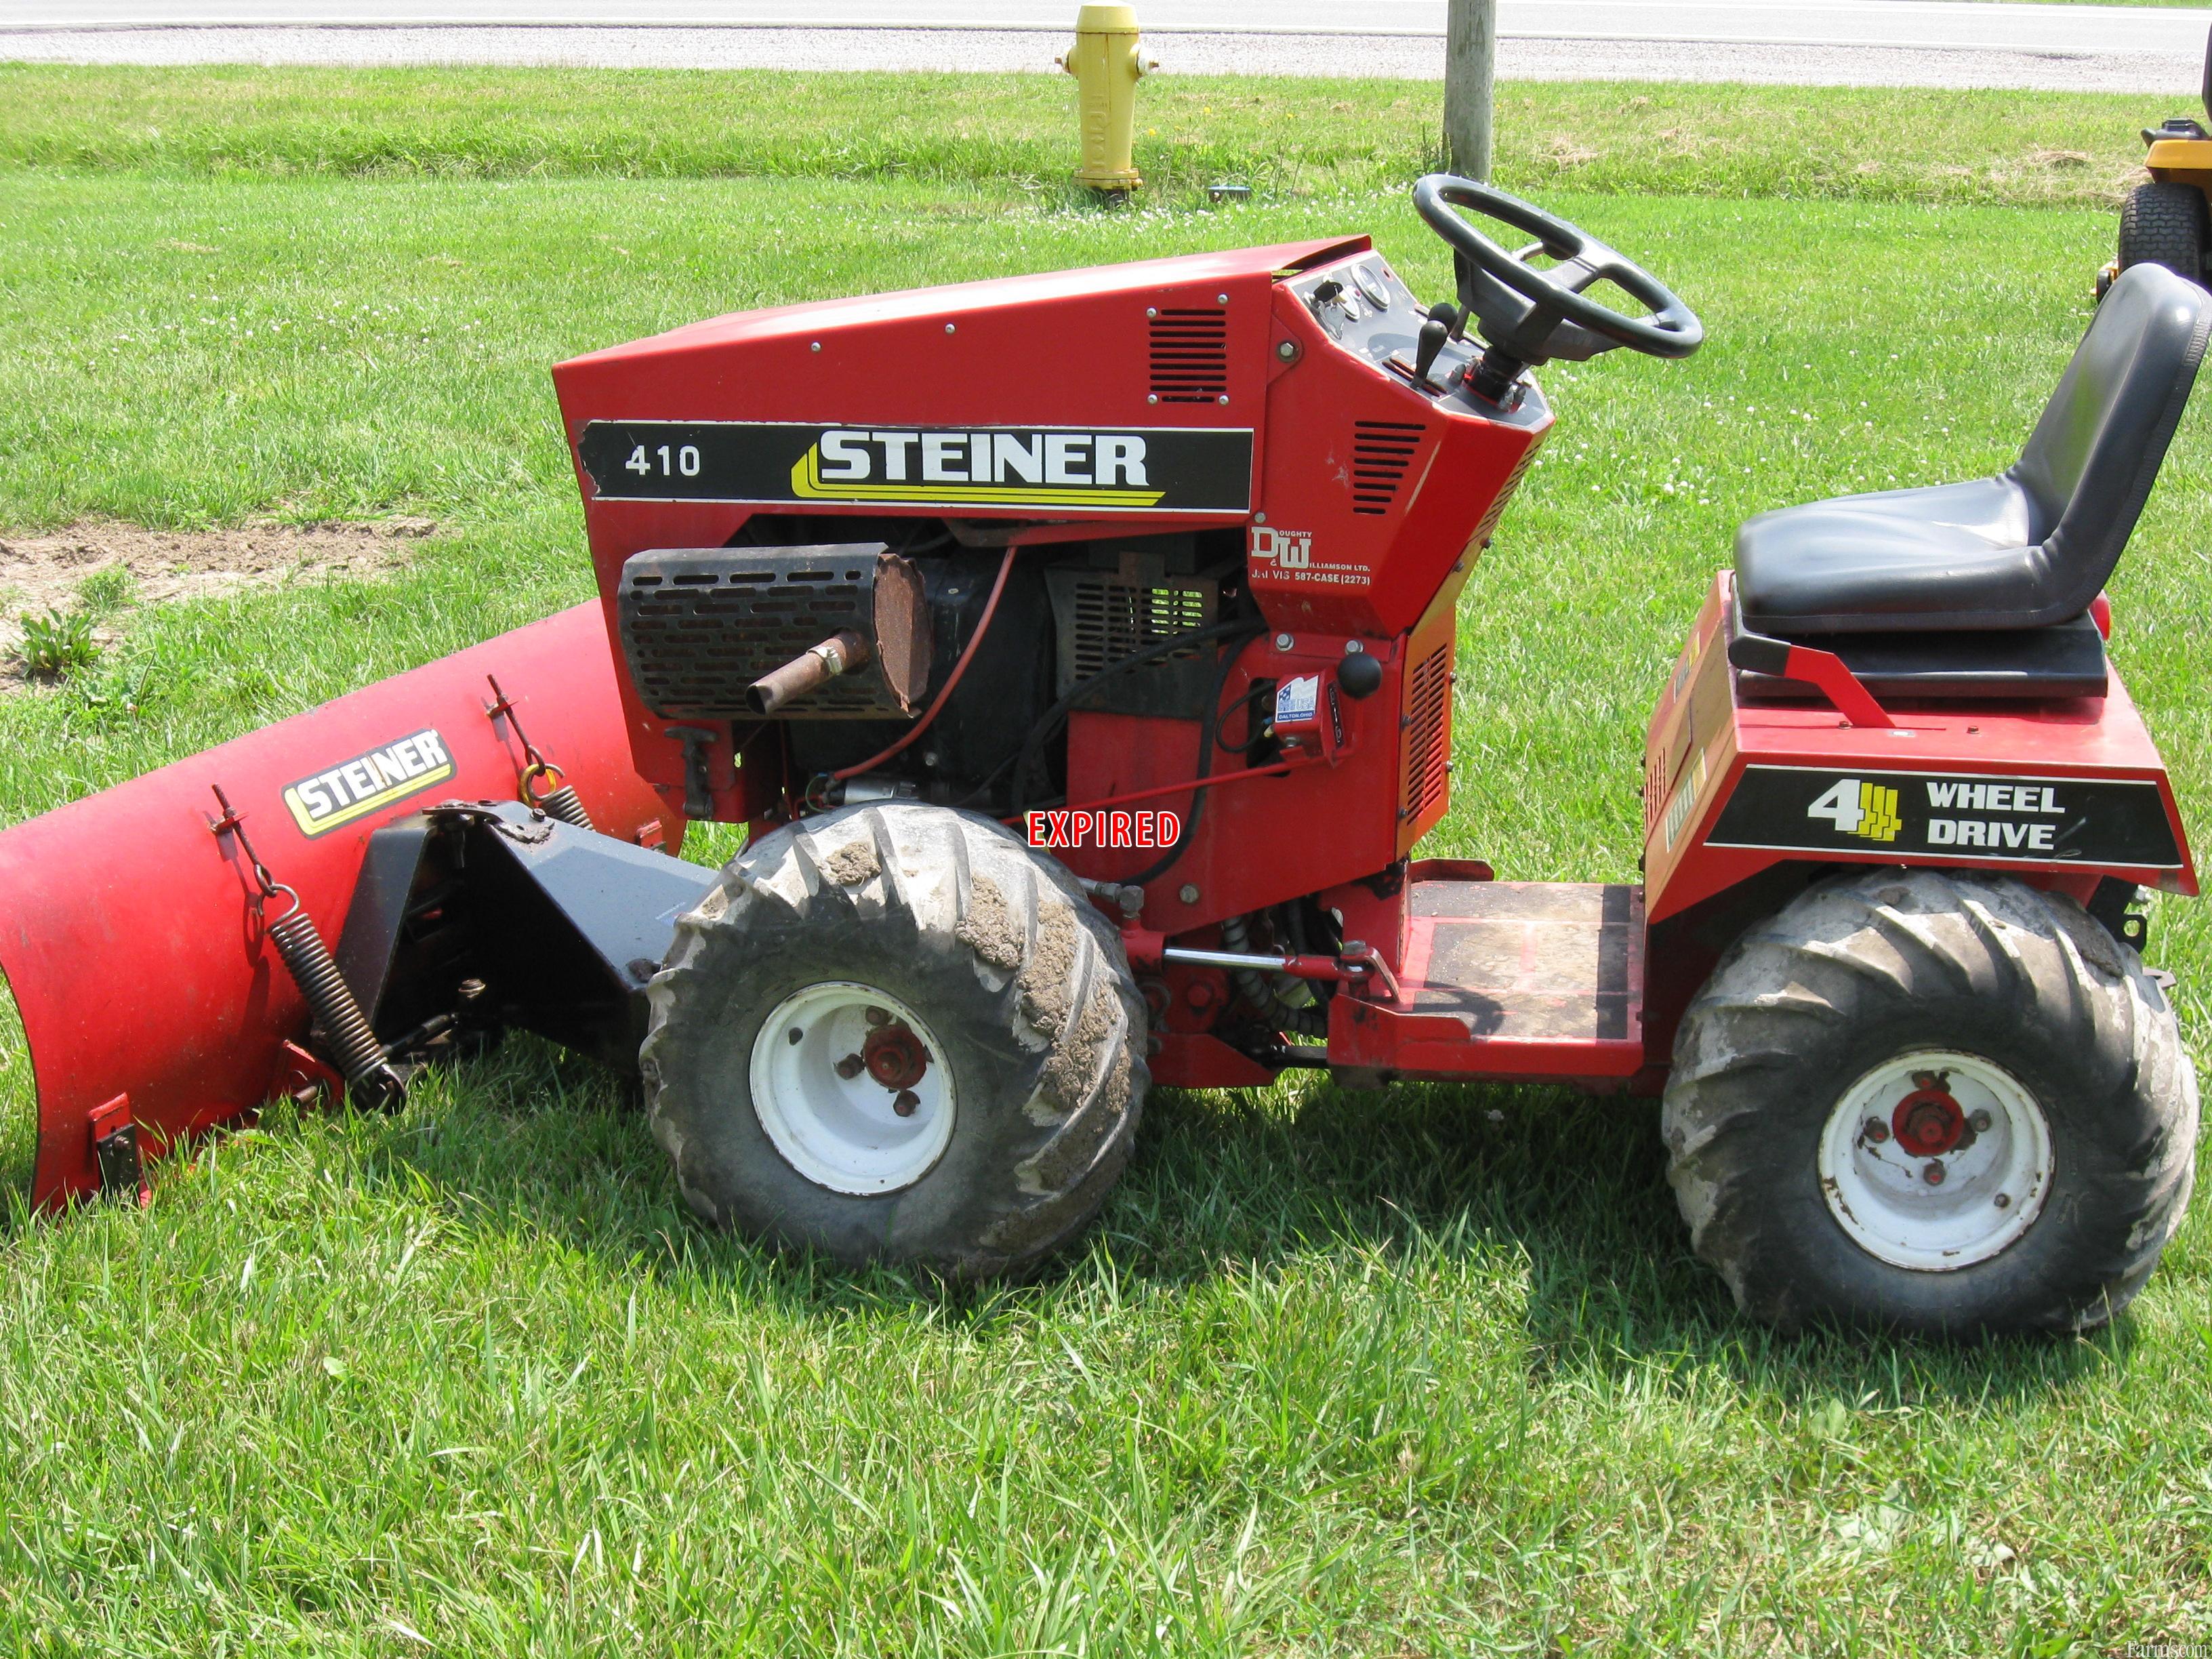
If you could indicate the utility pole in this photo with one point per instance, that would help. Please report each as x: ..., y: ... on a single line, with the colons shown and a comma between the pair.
x: 1470, y: 59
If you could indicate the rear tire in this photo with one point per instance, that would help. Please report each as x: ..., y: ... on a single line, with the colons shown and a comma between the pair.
x: 930, y: 947
x: 2062, y: 1109
x: 2165, y: 224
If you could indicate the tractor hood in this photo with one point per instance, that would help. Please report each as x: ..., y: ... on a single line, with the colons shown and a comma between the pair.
x: 1163, y: 343
x: 913, y: 312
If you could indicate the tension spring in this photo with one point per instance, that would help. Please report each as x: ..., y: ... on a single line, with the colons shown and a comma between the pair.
x: 337, y: 1013
x: 564, y: 803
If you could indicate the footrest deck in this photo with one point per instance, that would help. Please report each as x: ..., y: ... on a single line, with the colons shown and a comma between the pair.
x: 1528, y: 961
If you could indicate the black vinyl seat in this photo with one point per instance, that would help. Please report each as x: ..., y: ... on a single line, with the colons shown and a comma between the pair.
x: 2028, y: 548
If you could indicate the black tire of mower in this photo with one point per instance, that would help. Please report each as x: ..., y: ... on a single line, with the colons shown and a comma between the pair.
x: 2165, y: 224
x: 1864, y: 968
x: 999, y: 952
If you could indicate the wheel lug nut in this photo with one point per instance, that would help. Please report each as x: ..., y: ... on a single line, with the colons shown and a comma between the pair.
x: 2002, y: 1201
x: 1876, y: 1130
x: 1981, y: 1122
x: 1933, y: 1173
x: 905, y: 1102
x: 850, y: 1066
x: 879, y: 1015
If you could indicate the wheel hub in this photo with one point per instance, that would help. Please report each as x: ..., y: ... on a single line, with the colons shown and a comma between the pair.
x: 895, y: 1056
x: 1934, y: 1161
x: 1928, y: 1122
x: 849, y: 1085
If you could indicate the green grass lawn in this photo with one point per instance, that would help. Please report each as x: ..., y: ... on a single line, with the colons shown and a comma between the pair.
x: 1425, y: 1372
x: 1009, y: 135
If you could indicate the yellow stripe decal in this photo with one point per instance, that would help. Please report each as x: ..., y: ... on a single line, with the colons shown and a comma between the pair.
x: 807, y: 483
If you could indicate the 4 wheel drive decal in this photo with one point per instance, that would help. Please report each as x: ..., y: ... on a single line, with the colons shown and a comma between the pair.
x: 1974, y: 817
x: 1128, y: 470
x: 1861, y: 808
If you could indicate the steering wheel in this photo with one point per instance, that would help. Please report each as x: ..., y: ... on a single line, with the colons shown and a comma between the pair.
x: 1533, y: 316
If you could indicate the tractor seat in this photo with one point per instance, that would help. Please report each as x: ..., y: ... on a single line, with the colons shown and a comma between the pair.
x: 2028, y: 548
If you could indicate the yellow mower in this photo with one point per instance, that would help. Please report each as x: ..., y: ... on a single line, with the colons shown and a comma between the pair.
x: 2165, y: 221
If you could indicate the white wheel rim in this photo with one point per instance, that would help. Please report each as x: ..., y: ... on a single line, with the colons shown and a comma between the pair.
x: 1991, y: 1180
x: 847, y: 1133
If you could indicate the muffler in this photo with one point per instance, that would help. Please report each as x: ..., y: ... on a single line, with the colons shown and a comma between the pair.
x: 834, y: 631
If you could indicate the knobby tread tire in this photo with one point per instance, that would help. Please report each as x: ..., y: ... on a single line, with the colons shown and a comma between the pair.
x: 1863, y: 968
x: 996, y: 948
x: 2163, y: 223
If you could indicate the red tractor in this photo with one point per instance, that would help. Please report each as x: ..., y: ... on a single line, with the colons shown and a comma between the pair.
x: 1078, y: 651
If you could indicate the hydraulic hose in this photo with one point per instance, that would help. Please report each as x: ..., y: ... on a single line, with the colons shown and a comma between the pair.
x: 1040, y: 733
x: 1207, y: 729
x: 1309, y: 1019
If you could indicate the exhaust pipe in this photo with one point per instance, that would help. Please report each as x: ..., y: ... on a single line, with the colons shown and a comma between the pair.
x: 809, y: 670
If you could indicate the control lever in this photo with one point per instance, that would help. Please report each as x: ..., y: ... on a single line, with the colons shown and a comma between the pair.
x: 1443, y: 320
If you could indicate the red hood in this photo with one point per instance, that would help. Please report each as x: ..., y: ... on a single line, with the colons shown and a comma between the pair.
x: 957, y: 299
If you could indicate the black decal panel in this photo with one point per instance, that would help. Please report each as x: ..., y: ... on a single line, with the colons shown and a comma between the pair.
x: 1972, y: 815
x: 1130, y: 470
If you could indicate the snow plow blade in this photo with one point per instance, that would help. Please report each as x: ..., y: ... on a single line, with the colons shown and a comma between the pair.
x: 152, y: 995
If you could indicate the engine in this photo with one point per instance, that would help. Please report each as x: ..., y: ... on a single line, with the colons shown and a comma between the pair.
x: 830, y: 649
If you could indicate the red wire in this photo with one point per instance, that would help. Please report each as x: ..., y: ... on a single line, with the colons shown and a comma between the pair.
x: 1272, y: 769
x: 983, y: 627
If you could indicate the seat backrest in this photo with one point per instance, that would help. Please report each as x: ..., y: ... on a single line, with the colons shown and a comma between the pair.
x: 2090, y: 463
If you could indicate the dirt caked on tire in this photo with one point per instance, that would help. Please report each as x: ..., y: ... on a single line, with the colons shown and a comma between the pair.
x: 893, y: 1032
x: 1944, y: 1104
x: 2163, y: 223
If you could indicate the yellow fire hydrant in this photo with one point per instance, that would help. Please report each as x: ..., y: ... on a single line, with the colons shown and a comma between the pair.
x: 1105, y: 65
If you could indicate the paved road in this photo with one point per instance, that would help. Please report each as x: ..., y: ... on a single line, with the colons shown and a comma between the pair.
x: 1878, y: 42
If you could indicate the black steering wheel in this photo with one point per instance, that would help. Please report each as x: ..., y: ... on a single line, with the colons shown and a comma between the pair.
x: 1531, y: 315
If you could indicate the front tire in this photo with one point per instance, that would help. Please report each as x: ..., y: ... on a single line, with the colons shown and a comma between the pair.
x: 2165, y: 224
x: 894, y: 1033
x: 1945, y: 1105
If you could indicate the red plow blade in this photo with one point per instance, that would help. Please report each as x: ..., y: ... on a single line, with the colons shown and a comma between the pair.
x: 149, y: 992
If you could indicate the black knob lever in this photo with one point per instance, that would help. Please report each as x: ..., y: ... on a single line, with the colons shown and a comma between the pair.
x: 1443, y: 320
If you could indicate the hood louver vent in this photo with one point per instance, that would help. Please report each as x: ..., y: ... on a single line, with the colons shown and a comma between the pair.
x: 1483, y: 531
x: 1428, y: 735
x: 1381, y: 452
x: 1189, y: 356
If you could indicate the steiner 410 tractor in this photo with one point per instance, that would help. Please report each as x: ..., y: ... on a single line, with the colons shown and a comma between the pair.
x: 1078, y: 651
